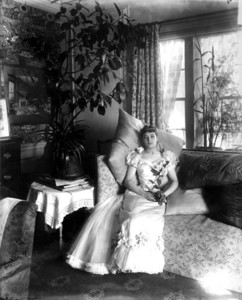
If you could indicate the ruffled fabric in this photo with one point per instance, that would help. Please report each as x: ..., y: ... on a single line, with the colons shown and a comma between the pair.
x: 152, y: 174
x: 140, y: 244
x: 91, y: 251
x: 94, y: 268
x: 124, y: 232
x: 133, y: 158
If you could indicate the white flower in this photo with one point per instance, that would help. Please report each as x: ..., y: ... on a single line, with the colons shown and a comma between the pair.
x: 139, y: 149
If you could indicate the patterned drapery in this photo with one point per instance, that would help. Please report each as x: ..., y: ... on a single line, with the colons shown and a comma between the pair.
x: 156, y: 72
x: 146, y: 88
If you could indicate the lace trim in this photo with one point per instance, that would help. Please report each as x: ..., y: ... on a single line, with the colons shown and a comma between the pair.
x: 95, y: 268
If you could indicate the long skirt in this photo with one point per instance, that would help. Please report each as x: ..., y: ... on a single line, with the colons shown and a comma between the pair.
x: 123, y: 234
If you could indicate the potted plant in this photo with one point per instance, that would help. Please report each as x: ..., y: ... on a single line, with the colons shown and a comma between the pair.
x: 66, y: 147
x: 80, y: 52
x: 218, y: 101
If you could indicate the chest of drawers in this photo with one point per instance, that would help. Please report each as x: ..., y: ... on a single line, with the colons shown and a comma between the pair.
x: 10, y: 163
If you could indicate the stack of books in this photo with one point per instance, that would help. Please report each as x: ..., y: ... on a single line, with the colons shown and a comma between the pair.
x: 83, y: 182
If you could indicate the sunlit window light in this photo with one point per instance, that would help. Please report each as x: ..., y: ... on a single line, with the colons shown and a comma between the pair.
x: 214, y: 283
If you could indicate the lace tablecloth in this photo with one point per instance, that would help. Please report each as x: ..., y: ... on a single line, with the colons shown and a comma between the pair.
x: 57, y: 204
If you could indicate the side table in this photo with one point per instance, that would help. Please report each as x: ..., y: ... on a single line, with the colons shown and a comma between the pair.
x: 56, y: 204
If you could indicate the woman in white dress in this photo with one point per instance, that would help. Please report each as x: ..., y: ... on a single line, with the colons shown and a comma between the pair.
x: 138, y: 213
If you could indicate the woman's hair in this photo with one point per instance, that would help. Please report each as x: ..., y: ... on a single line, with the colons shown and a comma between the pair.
x: 146, y: 129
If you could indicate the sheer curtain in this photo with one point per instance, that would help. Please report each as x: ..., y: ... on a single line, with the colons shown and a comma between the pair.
x: 156, y: 71
x: 171, y: 53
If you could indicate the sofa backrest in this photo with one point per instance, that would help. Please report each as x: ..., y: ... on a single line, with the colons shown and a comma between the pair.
x: 106, y: 186
x: 219, y: 174
x: 209, y: 168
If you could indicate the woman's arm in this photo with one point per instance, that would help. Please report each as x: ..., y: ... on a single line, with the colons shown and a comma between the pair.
x: 131, y: 184
x: 173, y: 182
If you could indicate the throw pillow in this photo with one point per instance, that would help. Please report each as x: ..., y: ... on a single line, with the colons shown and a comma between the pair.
x: 199, y: 170
x: 229, y: 203
x: 127, y: 139
x: 186, y: 202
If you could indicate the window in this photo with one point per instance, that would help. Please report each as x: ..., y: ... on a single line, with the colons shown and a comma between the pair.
x: 217, y: 96
x: 172, y: 65
x: 207, y: 104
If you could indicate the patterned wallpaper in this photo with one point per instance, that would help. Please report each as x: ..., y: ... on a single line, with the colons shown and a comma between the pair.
x: 18, y: 19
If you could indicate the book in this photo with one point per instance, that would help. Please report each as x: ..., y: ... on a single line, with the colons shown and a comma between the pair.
x: 76, y: 187
x: 63, y: 184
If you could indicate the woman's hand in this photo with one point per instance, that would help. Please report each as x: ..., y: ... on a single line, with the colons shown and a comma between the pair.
x: 150, y: 196
x: 160, y: 197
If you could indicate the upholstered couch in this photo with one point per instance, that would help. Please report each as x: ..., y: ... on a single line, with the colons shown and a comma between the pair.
x: 17, y: 235
x: 203, y: 219
x: 203, y: 241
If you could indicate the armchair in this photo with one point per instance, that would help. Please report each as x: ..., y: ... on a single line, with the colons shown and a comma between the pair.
x: 16, y: 250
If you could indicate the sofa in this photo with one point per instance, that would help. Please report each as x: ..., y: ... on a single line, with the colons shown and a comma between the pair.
x: 203, y: 218
x: 17, y: 226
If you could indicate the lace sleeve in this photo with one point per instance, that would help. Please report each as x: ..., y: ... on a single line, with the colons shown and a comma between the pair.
x: 133, y: 158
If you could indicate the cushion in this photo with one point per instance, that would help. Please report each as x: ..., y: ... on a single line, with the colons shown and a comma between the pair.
x: 228, y: 200
x: 196, y: 246
x: 199, y: 170
x: 127, y: 139
x: 186, y: 202
x: 107, y: 186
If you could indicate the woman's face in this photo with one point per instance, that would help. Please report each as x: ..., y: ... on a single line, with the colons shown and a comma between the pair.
x: 149, y: 140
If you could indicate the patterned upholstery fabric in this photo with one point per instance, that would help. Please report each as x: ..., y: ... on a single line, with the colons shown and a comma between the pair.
x: 209, y: 169
x: 107, y: 186
x: 16, y: 251
x: 198, y: 247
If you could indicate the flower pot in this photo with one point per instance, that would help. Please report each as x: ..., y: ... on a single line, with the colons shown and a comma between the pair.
x: 68, y: 168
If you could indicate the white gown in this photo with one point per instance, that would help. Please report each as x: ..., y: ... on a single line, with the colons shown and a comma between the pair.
x: 124, y: 233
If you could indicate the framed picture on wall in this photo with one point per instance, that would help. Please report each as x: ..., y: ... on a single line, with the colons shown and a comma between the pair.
x: 4, y: 122
x: 26, y: 95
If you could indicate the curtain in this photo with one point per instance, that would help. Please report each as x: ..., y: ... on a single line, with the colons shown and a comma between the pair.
x: 146, y: 88
x: 156, y: 71
x: 240, y: 12
x: 171, y: 53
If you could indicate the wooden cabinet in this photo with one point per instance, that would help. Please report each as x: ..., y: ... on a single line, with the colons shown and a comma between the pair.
x: 10, y: 164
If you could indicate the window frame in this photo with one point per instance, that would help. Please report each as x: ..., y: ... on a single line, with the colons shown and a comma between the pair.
x: 187, y: 29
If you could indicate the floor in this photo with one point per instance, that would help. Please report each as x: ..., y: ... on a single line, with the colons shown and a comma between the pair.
x: 52, y: 279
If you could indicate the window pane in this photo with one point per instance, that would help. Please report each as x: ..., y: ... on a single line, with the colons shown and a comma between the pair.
x: 172, y: 76
x: 217, y: 72
x: 173, y: 83
x: 177, y: 120
x: 181, y: 85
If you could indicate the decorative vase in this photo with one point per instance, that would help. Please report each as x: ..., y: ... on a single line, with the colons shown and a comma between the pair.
x: 69, y: 168
x: 65, y: 167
